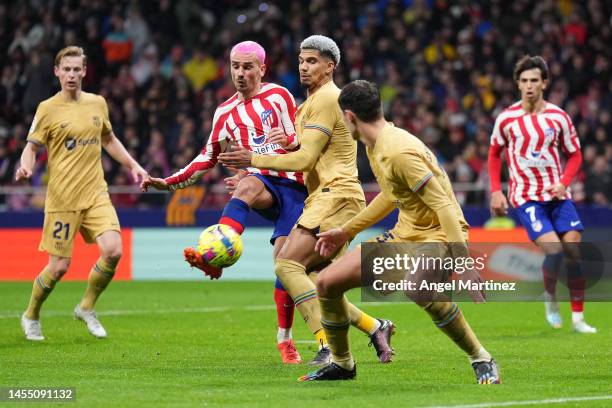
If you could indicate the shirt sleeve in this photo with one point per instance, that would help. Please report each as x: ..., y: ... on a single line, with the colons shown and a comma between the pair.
x: 288, y: 109
x: 323, y: 115
x: 378, y: 209
x: 106, y: 124
x: 569, y: 137
x: 497, y: 137
x: 311, y: 146
x: 39, y: 130
x: 208, y: 157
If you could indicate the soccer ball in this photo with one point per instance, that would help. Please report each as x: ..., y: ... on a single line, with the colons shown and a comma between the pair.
x: 220, y: 245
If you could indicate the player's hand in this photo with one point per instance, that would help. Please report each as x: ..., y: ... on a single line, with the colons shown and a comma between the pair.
x: 23, y: 174
x: 472, y: 280
x: 232, y: 182
x: 557, y: 190
x: 156, y: 183
x: 139, y: 174
x: 499, y: 204
x: 277, y: 135
x: 330, y: 241
x: 236, y: 158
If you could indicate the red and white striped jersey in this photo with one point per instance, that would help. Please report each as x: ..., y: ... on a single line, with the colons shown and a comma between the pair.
x: 533, y: 141
x: 247, y: 124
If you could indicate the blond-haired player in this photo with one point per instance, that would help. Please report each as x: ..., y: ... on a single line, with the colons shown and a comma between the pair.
x: 73, y: 126
x: 411, y: 180
x: 329, y: 155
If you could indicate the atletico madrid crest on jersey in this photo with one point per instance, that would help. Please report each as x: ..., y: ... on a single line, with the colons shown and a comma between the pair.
x: 267, y: 118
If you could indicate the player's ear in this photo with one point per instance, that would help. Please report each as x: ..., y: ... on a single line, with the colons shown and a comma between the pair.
x: 544, y: 84
x: 262, y: 69
x: 56, y: 70
x: 84, y: 70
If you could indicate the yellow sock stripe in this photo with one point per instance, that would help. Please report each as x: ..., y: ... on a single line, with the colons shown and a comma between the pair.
x: 329, y: 325
x: 448, y: 317
x: 304, y: 297
x: 41, y: 284
x: 103, y: 269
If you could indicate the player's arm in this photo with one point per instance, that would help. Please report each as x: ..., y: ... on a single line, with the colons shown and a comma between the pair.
x: 117, y: 151
x: 200, y: 165
x: 27, y: 161
x: 571, y: 147
x: 499, y: 203
x: 286, y: 135
x: 331, y: 240
x: 313, y: 142
x: 412, y: 170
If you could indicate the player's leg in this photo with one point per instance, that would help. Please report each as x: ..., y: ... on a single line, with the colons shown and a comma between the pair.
x: 59, y: 229
x: 99, y: 225
x: 100, y: 276
x: 576, y: 281
x: 332, y: 283
x: 250, y: 193
x: 42, y: 287
x: 569, y: 228
x: 285, y: 309
x: 535, y: 217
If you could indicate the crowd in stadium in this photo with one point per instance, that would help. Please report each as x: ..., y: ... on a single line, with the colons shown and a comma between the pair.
x: 444, y: 69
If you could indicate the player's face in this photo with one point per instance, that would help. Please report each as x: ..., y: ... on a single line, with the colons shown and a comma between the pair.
x: 70, y: 73
x: 349, y: 119
x: 531, y: 85
x: 246, y: 72
x: 314, y: 68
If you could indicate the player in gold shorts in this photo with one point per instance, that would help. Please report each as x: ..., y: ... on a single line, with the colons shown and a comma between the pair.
x: 329, y: 155
x: 74, y: 125
x: 410, y: 179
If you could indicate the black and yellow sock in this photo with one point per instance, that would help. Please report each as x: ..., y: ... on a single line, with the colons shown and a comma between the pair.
x: 303, y: 291
x: 336, y: 322
x: 448, y: 317
x: 361, y: 320
x: 43, y: 285
x: 100, y: 276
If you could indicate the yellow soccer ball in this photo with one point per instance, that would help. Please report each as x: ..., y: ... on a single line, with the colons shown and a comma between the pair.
x: 220, y: 245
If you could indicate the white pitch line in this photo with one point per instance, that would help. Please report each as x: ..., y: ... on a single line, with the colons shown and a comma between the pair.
x: 528, y: 402
x: 215, y: 309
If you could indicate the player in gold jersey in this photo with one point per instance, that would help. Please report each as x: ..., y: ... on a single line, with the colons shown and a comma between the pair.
x: 73, y: 126
x: 410, y: 179
x: 329, y: 155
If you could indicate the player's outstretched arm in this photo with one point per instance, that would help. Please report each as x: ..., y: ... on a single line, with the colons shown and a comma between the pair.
x: 27, y: 161
x: 115, y: 148
x: 312, y: 144
x: 499, y: 203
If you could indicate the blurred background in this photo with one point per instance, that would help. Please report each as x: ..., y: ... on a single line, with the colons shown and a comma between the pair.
x: 444, y: 69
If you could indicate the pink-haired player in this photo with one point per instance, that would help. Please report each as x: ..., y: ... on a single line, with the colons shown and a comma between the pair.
x: 258, y: 117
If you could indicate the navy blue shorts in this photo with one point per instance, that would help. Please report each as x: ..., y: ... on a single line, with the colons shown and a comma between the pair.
x: 289, y: 199
x: 559, y: 216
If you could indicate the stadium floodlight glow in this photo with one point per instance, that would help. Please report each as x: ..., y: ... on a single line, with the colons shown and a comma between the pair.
x: 263, y: 7
x: 241, y: 19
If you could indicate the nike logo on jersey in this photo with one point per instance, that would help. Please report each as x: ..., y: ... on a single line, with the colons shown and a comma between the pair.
x: 574, y: 223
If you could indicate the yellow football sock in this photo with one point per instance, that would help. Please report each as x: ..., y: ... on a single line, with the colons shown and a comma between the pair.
x: 362, y: 320
x: 321, y: 338
x: 43, y: 285
x: 448, y: 317
x: 100, y: 276
x: 303, y: 291
x: 336, y: 322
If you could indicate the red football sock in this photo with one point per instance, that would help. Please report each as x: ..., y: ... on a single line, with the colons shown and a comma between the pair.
x: 238, y: 227
x: 284, y: 308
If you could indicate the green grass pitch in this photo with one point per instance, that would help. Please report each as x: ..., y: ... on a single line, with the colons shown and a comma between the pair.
x: 213, y: 344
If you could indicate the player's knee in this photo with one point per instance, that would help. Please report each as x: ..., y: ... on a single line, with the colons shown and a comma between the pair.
x: 112, y: 253
x: 325, y: 288
x: 58, y: 269
x: 248, y: 189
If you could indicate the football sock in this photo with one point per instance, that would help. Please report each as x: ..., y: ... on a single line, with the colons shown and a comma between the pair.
x: 448, y: 317
x: 336, y: 322
x: 303, y: 291
x: 321, y: 338
x: 362, y: 320
x: 43, y: 285
x: 550, y: 271
x: 576, y: 285
x: 235, y: 214
x: 284, y: 311
x: 100, y: 276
